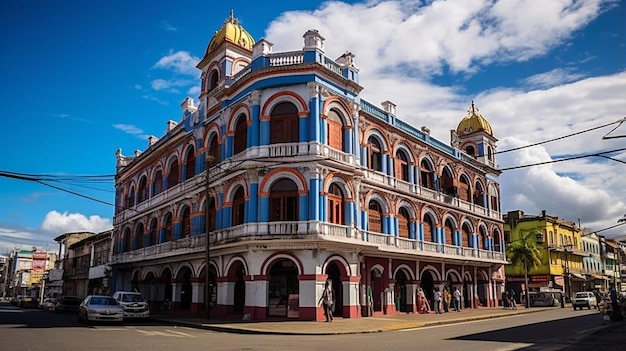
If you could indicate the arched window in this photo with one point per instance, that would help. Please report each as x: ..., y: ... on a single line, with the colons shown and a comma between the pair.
x: 213, y: 78
x: 335, y: 130
x: 375, y: 217
x: 464, y: 188
x: 429, y: 228
x: 142, y: 192
x: 447, y: 182
x: 190, y: 164
x: 214, y: 147
x: 140, y: 236
x: 239, y: 203
x: 154, y: 235
x: 466, y: 236
x: 449, y: 232
x: 481, y: 238
x: 404, y: 220
x: 335, y: 204
x: 284, y: 124
x: 478, y: 194
x: 402, y: 165
x: 427, y: 175
x: 496, y: 241
x: 128, y: 240
x: 131, y: 197
x: 241, y: 134
x: 158, y: 183
x: 375, y: 154
x: 186, y: 223
x: 212, y: 213
x: 173, y: 177
x: 284, y: 201
x: 469, y: 149
x: 168, y: 228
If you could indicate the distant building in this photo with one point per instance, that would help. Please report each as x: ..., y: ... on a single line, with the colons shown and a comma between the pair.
x: 297, y: 180
x: 561, y: 248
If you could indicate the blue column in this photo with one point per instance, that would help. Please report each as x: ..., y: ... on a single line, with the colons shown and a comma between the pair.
x: 315, y: 185
x: 161, y: 235
x: 363, y: 156
x: 178, y: 229
x: 420, y: 227
x: 475, y: 241
x: 264, y: 209
x: 391, y: 170
x: 457, y: 238
x: 219, y: 214
x: 394, y: 226
x: 265, y: 133
x: 323, y: 212
x: 227, y: 217
x: 229, y: 146
x: 347, y: 141
x: 253, y: 202
x: 314, y: 117
x: 303, y: 208
x: 385, y: 163
x: 412, y: 174
x: 183, y: 172
x: 412, y: 230
x: 303, y: 134
x: 386, y: 225
x: 255, y: 129
x: 349, y: 214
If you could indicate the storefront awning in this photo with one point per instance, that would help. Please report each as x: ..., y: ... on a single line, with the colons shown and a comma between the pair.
x: 578, y: 276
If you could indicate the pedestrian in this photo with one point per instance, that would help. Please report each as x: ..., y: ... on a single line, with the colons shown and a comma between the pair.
x: 328, y: 300
x: 446, y: 299
x: 422, y: 302
x: 512, y: 299
x: 522, y: 297
x: 457, y: 300
x: 437, y: 301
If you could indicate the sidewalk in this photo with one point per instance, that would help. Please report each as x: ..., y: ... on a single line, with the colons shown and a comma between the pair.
x: 340, y: 325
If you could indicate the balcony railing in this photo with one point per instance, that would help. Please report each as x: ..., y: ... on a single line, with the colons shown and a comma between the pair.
x: 312, y: 230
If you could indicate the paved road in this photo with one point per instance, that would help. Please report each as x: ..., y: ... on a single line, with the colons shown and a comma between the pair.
x: 550, y: 330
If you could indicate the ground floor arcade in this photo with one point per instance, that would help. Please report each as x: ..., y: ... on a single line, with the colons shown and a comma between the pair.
x: 268, y: 284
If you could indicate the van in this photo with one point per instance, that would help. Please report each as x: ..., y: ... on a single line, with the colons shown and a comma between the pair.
x: 135, y: 306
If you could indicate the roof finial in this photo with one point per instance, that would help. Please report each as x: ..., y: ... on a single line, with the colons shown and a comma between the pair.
x: 473, y: 111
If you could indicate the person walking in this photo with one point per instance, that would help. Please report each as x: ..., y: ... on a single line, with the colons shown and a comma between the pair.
x: 446, y: 299
x: 512, y: 299
x: 327, y: 300
x: 437, y: 301
x: 457, y: 300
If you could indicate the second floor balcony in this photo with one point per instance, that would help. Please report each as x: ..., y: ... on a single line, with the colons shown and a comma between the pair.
x: 308, y: 231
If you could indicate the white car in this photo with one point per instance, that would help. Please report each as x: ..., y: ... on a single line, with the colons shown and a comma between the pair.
x: 135, y: 306
x: 584, y: 299
x: 99, y: 308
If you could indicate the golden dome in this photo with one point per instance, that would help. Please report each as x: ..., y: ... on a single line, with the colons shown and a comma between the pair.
x: 473, y: 122
x: 232, y: 32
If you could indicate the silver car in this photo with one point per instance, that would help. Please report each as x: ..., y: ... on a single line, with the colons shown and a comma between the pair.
x: 100, y: 308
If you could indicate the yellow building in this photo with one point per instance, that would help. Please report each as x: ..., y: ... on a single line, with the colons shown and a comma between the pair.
x: 561, y: 252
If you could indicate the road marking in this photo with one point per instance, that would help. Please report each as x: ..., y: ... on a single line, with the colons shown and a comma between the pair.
x: 180, y: 333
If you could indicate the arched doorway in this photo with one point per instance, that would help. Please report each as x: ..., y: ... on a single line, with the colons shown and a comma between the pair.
x: 149, y: 291
x: 283, y: 281
x: 240, y: 290
x: 185, y: 289
x: 334, y: 275
x: 167, y: 281
x: 467, y: 292
x: 400, y: 291
x: 376, y: 291
x: 428, y: 286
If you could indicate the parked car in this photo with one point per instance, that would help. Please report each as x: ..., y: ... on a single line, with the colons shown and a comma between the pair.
x: 545, y: 299
x: 68, y: 304
x: 48, y: 304
x: 135, y: 306
x: 28, y: 302
x: 584, y: 299
x: 100, y: 308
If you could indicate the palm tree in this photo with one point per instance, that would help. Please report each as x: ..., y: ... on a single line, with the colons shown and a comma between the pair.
x: 524, y: 251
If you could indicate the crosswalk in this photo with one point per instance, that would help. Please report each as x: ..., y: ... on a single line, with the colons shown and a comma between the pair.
x: 174, y: 333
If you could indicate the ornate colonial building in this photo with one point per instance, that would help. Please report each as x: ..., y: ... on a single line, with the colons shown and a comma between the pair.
x: 298, y: 180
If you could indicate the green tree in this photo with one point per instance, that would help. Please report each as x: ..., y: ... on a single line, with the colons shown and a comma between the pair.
x: 525, y: 252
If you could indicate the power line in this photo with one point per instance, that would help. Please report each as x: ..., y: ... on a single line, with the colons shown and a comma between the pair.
x: 75, y: 193
x: 599, y: 154
x: 562, y: 137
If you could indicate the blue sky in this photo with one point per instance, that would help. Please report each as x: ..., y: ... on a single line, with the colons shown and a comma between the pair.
x: 83, y: 79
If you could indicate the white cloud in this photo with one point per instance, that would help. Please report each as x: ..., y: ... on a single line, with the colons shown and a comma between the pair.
x: 128, y: 129
x: 72, y: 222
x: 168, y: 27
x: 401, y: 45
x: 180, y: 62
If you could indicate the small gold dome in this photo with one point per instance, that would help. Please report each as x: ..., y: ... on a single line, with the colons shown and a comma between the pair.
x: 232, y: 32
x: 473, y: 122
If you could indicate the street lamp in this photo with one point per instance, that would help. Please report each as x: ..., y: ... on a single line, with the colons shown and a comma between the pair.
x: 210, y: 159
